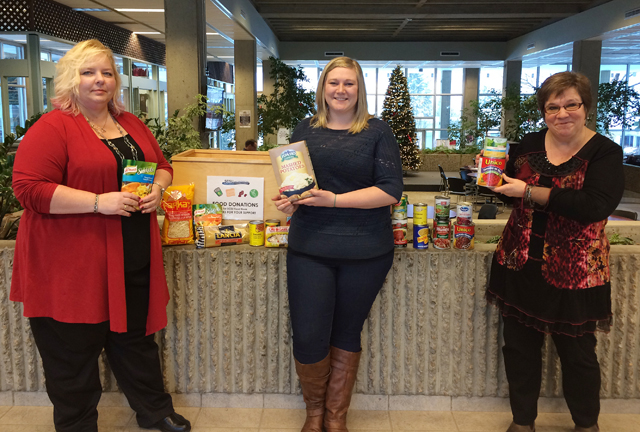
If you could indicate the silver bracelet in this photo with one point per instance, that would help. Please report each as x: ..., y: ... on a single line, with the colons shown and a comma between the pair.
x: 95, y: 204
x: 161, y: 188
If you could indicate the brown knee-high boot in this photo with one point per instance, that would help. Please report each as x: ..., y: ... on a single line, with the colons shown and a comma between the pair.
x: 313, y: 380
x: 344, y: 370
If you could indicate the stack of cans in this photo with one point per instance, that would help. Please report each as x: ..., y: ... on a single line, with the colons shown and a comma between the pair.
x: 399, y: 222
x: 464, y: 228
x: 442, y: 223
x: 420, y: 227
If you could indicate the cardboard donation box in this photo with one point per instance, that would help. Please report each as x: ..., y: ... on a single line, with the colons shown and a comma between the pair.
x: 242, y: 182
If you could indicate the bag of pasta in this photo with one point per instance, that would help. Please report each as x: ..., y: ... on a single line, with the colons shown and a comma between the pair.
x: 177, y: 228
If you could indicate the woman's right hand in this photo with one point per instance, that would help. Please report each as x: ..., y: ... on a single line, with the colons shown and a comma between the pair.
x: 284, y: 205
x: 118, y: 203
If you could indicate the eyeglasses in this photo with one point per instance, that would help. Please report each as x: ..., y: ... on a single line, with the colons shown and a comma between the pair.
x: 553, y: 109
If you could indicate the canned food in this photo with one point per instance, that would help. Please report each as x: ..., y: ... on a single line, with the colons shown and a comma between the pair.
x: 399, y: 233
x: 256, y: 233
x: 420, y: 214
x: 272, y: 222
x: 463, y: 236
x: 490, y: 171
x: 421, y: 236
x: 442, y: 207
x: 400, y: 208
x: 464, y: 213
x: 442, y: 230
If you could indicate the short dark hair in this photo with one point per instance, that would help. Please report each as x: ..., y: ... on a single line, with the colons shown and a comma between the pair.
x: 250, y: 142
x: 558, y: 83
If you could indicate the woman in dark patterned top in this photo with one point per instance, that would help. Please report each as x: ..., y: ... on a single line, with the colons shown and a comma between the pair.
x: 550, y: 272
x: 340, y: 240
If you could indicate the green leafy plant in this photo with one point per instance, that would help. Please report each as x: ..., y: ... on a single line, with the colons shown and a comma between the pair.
x: 476, y: 122
x: 179, y: 134
x: 446, y: 150
x: 525, y: 117
x: 289, y: 102
x: 8, y: 202
x: 618, y: 106
x: 494, y: 239
x: 617, y: 239
x: 228, y: 128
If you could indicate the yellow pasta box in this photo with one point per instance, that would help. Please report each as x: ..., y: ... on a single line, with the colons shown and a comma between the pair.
x: 137, y: 177
x: 177, y: 228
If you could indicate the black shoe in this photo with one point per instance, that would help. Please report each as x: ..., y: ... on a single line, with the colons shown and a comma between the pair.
x: 174, y: 422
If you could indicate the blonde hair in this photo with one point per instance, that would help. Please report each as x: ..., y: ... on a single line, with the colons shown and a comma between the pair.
x: 67, y: 77
x: 362, y: 115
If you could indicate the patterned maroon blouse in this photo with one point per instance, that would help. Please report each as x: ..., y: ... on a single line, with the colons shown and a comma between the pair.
x: 551, y: 266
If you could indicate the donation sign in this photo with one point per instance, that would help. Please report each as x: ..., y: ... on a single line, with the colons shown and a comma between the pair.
x: 240, y: 197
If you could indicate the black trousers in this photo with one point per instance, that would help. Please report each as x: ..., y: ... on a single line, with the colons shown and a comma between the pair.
x: 330, y: 300
x: 70, y: 359
x: 523, y: 365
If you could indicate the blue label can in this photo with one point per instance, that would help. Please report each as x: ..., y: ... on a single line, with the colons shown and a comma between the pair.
x: 421, y: 236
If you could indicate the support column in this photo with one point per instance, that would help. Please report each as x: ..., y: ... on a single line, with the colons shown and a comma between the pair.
x: 35, y: 104
x: 511, y: 81
x: 586, y: 60
x: 471, y: 88
x: 245, y: 54
x: 185, y: 55
x: 445, y: 107
x: 267, y: 89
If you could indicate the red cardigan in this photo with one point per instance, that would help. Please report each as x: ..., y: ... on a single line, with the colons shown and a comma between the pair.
x: 71, y: 267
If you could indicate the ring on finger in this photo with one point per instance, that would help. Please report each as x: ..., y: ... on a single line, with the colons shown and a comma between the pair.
x: 125, y: 207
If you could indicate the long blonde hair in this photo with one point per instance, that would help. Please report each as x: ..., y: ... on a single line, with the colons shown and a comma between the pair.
x: 67, y: 77
x: 362, y: 115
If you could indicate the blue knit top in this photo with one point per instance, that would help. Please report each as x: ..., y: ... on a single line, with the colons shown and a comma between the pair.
x: 345, y: 162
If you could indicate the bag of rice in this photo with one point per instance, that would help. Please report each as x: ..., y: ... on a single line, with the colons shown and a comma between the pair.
x: 176, y: 202
x: 293, y: 169
x: 137, y: 177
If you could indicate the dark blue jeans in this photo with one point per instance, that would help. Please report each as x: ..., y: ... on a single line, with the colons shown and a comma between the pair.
x: 329, y: 301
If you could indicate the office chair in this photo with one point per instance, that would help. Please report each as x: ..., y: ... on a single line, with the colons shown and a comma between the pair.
x: 488, y: 211
x: 458, y: 187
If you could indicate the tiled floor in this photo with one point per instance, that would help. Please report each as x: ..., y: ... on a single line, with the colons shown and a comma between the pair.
x: 117, y: 419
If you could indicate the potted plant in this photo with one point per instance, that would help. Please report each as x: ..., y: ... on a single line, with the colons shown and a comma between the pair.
x: 618, y: 106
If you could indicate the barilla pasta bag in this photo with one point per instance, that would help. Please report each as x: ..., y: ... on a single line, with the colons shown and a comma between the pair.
x: 137, y: 177
x: 177, y: 228
x: 293, y: 169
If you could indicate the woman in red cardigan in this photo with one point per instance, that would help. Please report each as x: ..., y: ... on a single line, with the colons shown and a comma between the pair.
x: 88, y: 266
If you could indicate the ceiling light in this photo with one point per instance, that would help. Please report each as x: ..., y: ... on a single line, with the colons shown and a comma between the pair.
x: 225, y: 56
x: 139, y: 10
x: 91, y: 10
x: 213, y: 34
x: 145, y: 33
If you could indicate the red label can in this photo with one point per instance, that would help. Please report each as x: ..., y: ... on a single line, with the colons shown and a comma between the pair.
x: 463, y: 236
x: 490, y: 171
x: 399, y: 233
x: 464, y: 213
x: 441, y: 236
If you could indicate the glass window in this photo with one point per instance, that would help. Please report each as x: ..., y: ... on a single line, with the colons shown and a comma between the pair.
x: 449, y: 81
x: 371, y: 104
x: 2, y: 134
x: 448, y: 109
x: 259, y: 78
x: 548, y: 70
x: 490, y: 80
x: 370, y: 80
x: 312, y: 79
x: 56, y: 57
x: 162, y: 72
x: 610, y: 73
x: 424, y: 123
x: 528, y: 80
x: 421, y: 81
x: 119, y: 64
x: 634, y: 76
x: 11, y: 51
x: 45, y: 56
x: 383, y: 80
x: 141, y: 70
x: 17, y: 102
x: 45, y: 102
x: 422, y: 106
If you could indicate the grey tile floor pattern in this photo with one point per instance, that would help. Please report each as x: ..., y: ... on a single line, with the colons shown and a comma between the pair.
x: 122, y: 419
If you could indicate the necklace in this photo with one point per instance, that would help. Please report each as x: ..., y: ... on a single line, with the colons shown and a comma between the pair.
x: 112, y: 145
x: 96, y: 127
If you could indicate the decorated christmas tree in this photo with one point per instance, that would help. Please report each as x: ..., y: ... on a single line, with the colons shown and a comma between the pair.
x: 398, y: 114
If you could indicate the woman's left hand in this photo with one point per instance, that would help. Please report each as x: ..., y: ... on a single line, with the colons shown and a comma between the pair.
x: 149, y: 203
x: 319, y: 198
x: 512, y: 187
